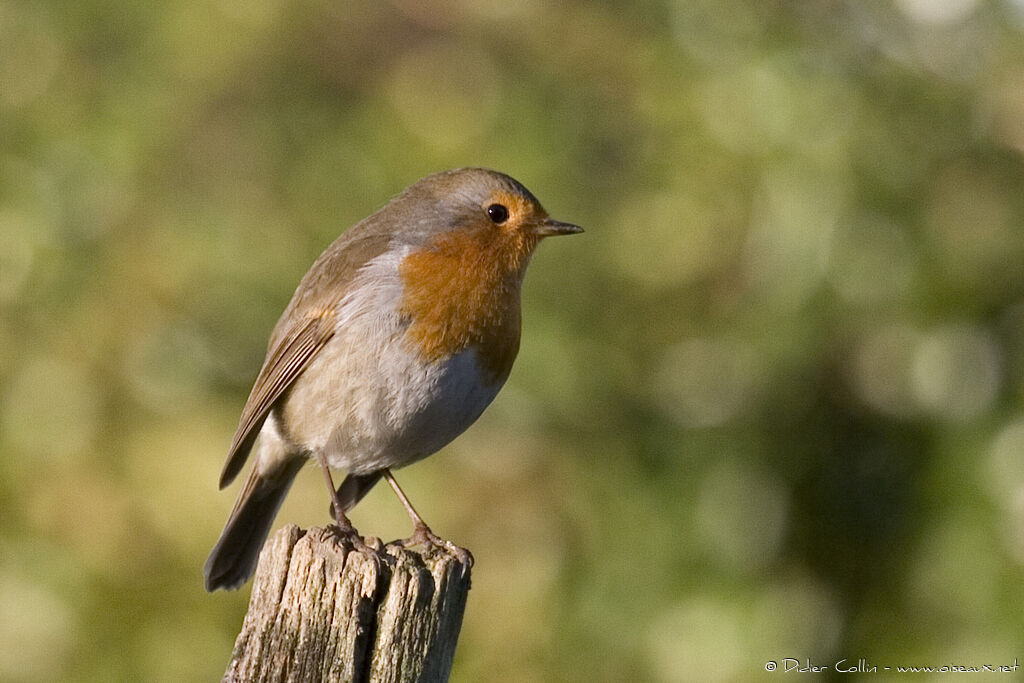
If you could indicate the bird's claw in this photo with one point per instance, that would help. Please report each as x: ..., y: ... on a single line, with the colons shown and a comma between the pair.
x: 349, y: 533
x: 425, y: 537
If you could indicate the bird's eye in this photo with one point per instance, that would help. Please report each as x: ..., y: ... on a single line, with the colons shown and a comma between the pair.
x: 497, y: 213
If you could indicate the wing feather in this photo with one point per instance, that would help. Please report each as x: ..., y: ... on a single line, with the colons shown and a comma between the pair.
x: 293, y: 345
x: 282, y: 366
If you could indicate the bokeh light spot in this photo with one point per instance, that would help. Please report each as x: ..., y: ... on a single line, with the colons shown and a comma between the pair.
x: 707, y: 382
x: 937, y: 12
x: 790, y: 241
x: 741, y: 516
x: 698, y: 640
x: 671, y: 239
x: 956, y: 372
x: 881, y: 366
x: 37, y: 630
x: 875, y: 263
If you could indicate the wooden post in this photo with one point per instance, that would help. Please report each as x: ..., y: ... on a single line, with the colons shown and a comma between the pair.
x: 322, y: 611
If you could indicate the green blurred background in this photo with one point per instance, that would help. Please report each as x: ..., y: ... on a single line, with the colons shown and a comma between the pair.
x: 769, y: 405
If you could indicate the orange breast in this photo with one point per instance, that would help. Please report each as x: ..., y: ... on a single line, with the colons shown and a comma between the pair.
x: 464, y: 292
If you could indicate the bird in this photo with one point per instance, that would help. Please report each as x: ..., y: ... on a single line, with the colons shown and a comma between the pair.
x: 395, y: 341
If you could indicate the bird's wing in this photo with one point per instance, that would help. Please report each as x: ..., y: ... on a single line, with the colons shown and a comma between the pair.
x: 294, y: 345
x: 284, y: 363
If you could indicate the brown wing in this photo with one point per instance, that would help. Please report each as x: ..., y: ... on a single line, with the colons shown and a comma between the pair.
x: 293, y: 346
x: 283, y: 365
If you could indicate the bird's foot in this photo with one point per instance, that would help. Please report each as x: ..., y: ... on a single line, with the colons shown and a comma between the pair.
x: 428, y: 539
x: 349, y: 533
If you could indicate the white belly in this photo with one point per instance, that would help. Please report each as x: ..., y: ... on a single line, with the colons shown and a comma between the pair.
x: 364, y: 411
x: 368, y: 400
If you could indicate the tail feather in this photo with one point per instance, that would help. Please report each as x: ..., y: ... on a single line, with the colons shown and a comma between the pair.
x: 233, y: 559
x: 354, y: 487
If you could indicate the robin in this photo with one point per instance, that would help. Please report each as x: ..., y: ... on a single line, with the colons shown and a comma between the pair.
x: 396, y: 340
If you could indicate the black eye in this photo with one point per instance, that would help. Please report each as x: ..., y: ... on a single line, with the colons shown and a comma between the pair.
x: 497, y: 213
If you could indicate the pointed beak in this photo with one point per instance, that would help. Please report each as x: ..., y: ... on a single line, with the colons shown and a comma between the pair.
x: 550, y: 226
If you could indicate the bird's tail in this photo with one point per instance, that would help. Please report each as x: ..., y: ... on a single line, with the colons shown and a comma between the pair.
x: 233, y: 560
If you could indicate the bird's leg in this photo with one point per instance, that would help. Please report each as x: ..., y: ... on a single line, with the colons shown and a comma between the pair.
x: 422, y: 534
x: 341, y: 520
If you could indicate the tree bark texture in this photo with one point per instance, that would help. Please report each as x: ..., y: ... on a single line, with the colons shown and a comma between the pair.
x: 322, y: 611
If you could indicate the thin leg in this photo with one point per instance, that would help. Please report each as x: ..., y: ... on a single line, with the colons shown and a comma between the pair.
x: 422, y: 535
x: 413, y: 515
x: 340, y: 518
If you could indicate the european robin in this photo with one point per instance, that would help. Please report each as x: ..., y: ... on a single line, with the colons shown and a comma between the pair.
x: 395, y: 341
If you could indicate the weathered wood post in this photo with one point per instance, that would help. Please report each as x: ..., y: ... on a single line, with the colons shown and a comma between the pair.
x: 323, y: 611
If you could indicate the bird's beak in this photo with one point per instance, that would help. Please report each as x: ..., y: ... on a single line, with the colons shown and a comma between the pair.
x: 550, y: 226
